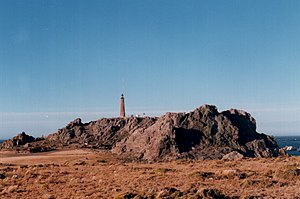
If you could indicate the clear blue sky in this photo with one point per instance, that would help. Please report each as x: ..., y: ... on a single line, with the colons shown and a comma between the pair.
x: 62, y: 59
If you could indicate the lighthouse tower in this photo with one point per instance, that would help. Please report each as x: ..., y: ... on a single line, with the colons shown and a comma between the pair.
x: 122, y: 107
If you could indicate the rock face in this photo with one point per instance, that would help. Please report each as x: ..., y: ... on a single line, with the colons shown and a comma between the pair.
x: 103, y: 133
x: 203, y: 133
x: 17, y: 141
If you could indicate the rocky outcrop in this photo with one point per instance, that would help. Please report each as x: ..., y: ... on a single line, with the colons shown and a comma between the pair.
x: 17, y: 141
x: 103, y: 133
x: 203, y: 133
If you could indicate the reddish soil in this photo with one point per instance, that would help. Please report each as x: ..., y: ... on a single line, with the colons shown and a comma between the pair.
x: 99, y: 174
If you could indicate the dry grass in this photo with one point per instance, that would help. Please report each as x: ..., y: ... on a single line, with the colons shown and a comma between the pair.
x: 90, y: 174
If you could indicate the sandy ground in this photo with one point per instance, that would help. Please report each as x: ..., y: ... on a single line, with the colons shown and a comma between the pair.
x: 59, y: 157
x: 96, y: 174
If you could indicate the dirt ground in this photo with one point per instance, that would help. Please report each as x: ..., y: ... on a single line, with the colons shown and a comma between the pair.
x: 100, y: 174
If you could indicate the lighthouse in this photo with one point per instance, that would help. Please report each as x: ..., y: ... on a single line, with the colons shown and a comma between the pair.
x: 122, y: 107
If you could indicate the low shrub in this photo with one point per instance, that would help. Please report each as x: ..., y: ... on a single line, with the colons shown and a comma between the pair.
x: 289, y: 172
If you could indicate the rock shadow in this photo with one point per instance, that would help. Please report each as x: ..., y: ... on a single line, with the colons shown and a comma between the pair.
x: 186, y: 139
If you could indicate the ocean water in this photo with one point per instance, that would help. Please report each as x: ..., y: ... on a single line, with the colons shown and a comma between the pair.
x: 1, y: 141
x: 293, y: 141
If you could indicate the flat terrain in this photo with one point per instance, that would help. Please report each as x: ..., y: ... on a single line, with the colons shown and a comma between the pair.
x: 99, y: 174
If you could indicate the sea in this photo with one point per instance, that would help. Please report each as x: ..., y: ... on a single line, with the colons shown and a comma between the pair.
x: 282, y: 141
x: 293, y: 141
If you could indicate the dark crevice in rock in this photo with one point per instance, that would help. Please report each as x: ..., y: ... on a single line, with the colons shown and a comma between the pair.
x: 186, y: 139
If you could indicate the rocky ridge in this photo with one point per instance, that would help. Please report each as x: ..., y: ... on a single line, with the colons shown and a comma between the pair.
x: 203, y: 133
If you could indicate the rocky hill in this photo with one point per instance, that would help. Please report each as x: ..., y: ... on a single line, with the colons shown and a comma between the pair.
x: 203, y: 133
x: 19, y: 140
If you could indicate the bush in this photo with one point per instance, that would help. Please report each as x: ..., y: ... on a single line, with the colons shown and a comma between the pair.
x: 288, y: 172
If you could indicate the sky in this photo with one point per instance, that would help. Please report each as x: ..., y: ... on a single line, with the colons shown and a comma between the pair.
x: 62, y: 59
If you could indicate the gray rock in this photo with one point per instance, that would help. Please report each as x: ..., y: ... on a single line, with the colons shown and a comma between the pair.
x: 17, y: 141
x: 203, y: 133
x: 234, y: 155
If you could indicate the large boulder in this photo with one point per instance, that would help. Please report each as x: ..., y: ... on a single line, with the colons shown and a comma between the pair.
x: 201, y: 134
x: 234, y: 155
x: 17, y: 141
